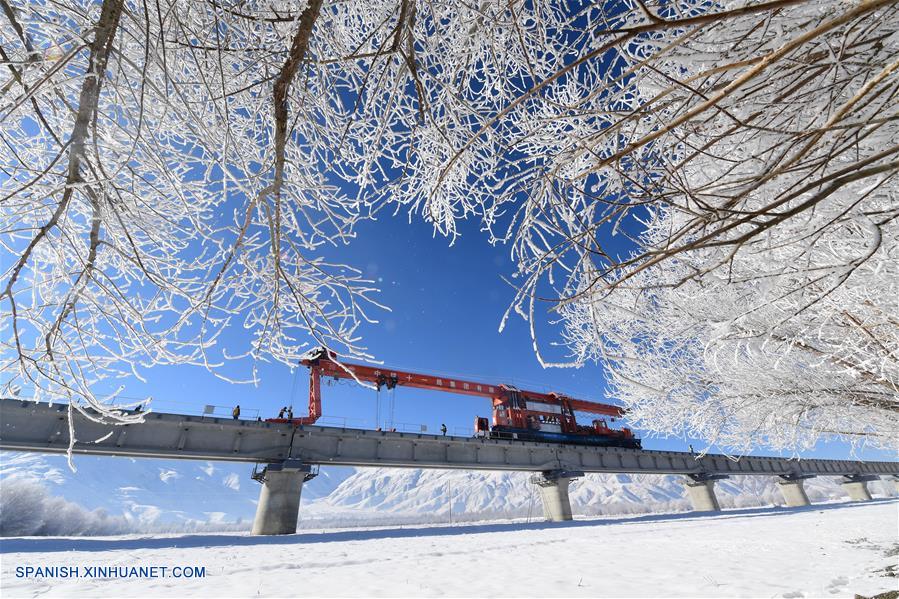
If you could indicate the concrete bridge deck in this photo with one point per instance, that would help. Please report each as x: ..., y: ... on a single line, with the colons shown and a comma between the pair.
x: 290, y: 451
x: 28, y: 426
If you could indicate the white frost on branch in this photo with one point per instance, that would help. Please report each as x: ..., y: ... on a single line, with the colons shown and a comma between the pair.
x: 175, y: 169
x: 758, y: 304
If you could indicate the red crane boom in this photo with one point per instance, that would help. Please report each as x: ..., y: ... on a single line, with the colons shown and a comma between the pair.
x: 321, y: 363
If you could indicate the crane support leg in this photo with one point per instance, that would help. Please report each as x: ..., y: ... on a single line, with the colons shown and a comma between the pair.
x: 701, y: 489
x: 856, y: 486
x: 553, y: 487
x: 792, y: 487
x: 279, y: 499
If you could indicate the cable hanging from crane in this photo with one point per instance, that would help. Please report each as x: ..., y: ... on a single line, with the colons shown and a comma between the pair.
x: 392, y: 394
x: 378, y: 408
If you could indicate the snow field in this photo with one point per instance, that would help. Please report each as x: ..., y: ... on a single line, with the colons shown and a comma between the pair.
x: 829, y: 550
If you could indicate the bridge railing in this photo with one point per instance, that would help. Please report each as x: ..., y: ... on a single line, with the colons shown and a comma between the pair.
x: 166, y: 405
x: 410, y: 427
x: 248, y: 412
x: 342, y: 422
x: 398, y: 427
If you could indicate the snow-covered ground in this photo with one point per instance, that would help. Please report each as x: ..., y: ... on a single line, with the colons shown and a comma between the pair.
x: 828, y: 550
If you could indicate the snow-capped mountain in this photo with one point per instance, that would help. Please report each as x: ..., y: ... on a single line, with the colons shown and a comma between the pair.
x: 468, y: 494
x: 150, y: 493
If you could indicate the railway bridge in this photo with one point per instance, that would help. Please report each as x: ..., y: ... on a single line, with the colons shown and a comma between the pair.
x: 289, y: 456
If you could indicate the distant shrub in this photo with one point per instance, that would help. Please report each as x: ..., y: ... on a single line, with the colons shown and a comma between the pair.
x: 28, y: 509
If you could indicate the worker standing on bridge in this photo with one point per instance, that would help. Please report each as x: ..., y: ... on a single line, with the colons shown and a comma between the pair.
x: 443, y: 429
x: 281, y: 412
x: 290, y: 413
x: 235, y: 413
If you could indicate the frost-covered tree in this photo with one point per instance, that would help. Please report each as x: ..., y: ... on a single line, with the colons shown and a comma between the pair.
x: 157, y: 188
x: 172, y: 169
x: 758, y: 301
x: 788, y: 342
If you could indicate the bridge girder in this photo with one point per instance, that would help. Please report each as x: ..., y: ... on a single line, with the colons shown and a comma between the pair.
x: 28, y: 426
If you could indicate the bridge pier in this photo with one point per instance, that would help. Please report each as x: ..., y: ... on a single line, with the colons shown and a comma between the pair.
x: 279, y: 499
x: 553, y: 487
x: 856, y: 486
x: 701, y: 489
x: 792, y: 487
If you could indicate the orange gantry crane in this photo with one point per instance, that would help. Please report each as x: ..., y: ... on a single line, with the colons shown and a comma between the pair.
x: 517, y: 413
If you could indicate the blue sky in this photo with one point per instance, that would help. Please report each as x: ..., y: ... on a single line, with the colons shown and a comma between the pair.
x: 447, y: 303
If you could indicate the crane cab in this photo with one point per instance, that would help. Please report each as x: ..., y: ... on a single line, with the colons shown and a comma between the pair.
x: 527, y: 416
